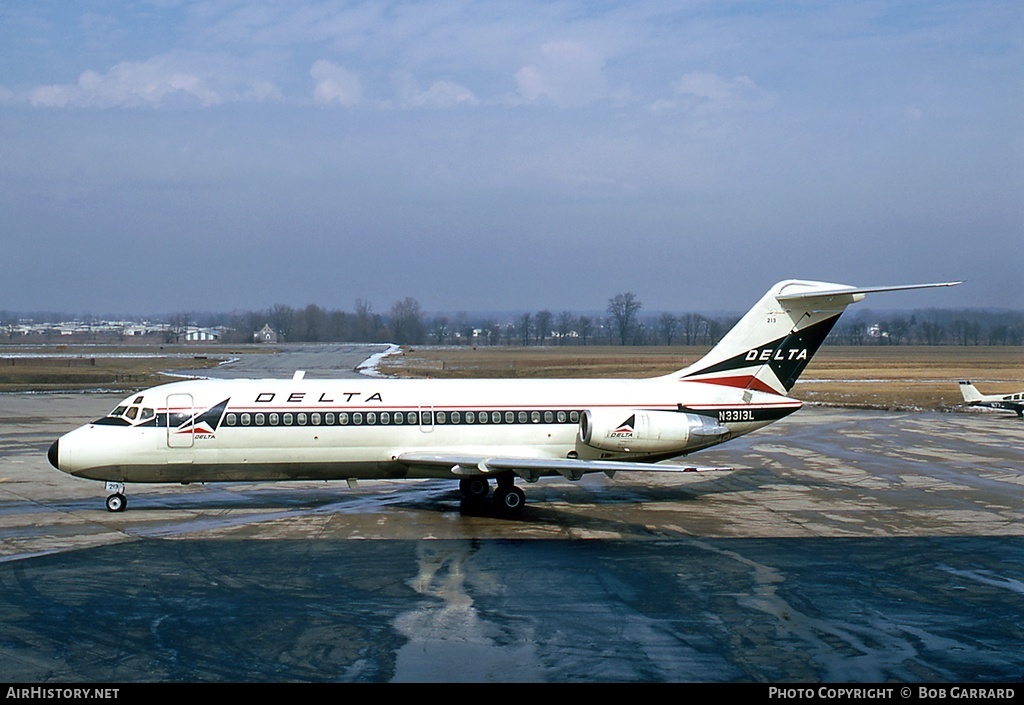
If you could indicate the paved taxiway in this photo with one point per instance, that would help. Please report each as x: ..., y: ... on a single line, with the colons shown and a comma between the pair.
x: 851, y: 546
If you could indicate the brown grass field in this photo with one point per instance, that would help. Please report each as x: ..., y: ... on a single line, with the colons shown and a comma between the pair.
x: 879, y: 377
x: 69, y: 367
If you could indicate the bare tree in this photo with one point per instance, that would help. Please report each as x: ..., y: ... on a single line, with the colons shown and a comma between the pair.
x: 566, y: 320
x: 668, y: 324
x: 898, y: 329
x: 691, y: 328
x: 585, y: 327
x: 364, y: 321
x: 310, y: 324
x: 543, y: 326
x: 407, y: 321
x: 623, y: 308
x: 490, y: 332
x: 439, y: 330
x: 463, y: 328
x: 525, y: 326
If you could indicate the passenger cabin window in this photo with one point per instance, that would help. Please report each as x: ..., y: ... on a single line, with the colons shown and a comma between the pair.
x: 134, y: 414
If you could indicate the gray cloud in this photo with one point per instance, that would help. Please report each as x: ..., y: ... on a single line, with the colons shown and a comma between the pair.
x: 504, y: 156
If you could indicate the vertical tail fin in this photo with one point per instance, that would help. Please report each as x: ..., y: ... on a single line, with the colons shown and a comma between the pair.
x: 969, y: 391
x: 770, y: 346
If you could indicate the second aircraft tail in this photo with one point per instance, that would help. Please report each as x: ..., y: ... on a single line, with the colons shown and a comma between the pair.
x: 969, y: 391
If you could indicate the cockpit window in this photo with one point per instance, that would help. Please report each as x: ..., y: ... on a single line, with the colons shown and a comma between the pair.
x: 129, y: 414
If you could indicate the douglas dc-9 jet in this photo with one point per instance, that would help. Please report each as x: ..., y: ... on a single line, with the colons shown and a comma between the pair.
x: 209, y: 430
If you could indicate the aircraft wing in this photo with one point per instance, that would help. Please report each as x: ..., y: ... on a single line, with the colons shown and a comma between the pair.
x: 531, y: 469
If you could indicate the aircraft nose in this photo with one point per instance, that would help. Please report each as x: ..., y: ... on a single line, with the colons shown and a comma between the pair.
x: 53, y: 455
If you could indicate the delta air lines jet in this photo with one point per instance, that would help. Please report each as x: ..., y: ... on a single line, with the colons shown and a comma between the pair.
x: 471, y: 430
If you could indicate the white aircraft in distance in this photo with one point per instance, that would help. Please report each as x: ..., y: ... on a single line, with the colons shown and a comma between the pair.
x: 1013, y: 402
x: 472, y: 430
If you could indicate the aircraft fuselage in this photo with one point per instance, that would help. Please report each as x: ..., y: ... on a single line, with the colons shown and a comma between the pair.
x: 236, y: 430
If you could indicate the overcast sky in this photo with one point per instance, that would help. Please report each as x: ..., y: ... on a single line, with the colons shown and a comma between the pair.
x: 164, y: 155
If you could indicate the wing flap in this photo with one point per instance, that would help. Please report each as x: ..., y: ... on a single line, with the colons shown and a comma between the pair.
x: 531, y: 469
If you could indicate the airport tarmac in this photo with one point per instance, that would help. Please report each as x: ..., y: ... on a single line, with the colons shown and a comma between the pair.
x: 282, y: 361
x: 846, y: 546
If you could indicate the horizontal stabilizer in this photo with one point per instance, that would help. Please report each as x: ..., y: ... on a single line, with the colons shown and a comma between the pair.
x: 847, y: 291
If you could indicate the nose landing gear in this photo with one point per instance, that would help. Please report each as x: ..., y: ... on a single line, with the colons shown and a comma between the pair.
x: 117, y: 501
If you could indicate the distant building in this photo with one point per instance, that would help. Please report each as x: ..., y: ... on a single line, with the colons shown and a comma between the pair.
x: 195, y: 335
x: 266, y: 334
x: 877, y: 333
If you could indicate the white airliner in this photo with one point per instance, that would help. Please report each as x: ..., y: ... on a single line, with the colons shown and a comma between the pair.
x: 471, y: 430
x: 1012, y: 402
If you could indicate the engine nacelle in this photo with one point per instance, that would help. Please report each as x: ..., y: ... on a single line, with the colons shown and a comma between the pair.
x: 639, y: 431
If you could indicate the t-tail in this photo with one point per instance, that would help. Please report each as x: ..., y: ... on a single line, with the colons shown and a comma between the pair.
x: 770, y: 346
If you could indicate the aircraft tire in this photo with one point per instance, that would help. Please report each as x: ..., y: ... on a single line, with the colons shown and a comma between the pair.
x: 474, y: 489
x: 510, y: 501
x: 116, y: 502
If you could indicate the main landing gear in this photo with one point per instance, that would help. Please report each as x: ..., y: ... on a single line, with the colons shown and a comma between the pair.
x: 508, y: 499
x: 117, y: 501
